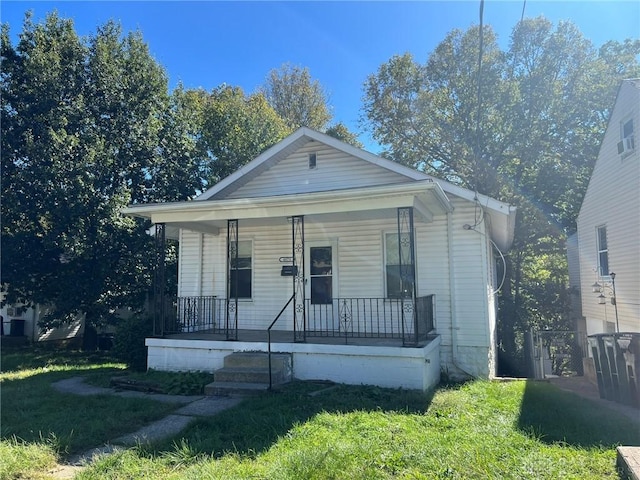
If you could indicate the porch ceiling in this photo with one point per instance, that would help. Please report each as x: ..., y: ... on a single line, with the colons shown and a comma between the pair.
x: 426, y: 197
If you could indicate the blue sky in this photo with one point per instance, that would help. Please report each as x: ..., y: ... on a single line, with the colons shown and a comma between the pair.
x: 206, y: 43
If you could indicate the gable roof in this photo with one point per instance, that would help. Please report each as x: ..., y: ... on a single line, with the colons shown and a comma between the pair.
x: 502, y: 214
x: 304, y: 135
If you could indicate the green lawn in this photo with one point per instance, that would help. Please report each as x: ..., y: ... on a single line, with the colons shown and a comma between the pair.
x: 476, y: 430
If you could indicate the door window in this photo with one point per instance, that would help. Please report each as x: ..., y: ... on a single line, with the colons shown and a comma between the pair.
x: 321, y: 275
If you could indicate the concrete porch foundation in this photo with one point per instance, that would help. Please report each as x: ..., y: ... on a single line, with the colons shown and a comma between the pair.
x: 381, y: 363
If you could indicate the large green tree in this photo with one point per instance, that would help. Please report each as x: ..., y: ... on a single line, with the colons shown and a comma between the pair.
x: 297, y: 98
x: 523, y: 125
x: 234, y: 128
x: 87, y: 128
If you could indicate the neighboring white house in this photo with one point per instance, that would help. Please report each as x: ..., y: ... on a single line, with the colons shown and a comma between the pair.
x: 391, y: 273
x: 609, y: 223
x: 23, y: 322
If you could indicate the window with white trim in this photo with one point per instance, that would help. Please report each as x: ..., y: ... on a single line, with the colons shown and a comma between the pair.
x: 627, y: 139
x: 242, y: 271
x: 603, y: 251
x: 393, y: 281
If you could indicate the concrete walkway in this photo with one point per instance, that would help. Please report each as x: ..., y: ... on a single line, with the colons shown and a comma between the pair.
x: 628, y: 458
x: 187, y: 409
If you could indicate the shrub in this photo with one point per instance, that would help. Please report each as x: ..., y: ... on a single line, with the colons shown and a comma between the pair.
x: 128, y: 341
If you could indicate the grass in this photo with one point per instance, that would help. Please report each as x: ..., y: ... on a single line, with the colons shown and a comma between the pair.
x: 33, y: 411
x: 475, y: 430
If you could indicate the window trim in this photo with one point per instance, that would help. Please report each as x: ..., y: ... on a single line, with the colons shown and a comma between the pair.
x: 625, y: 140
x: 600, y: 251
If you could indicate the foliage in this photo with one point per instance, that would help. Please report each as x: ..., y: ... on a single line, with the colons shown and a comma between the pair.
x: 87, y: 128
x: 341, y: 132
x: 128, y: 341
x: 525, y: 128
x: 171, y: 383
x: 235, y: 128
x: 298, y: 99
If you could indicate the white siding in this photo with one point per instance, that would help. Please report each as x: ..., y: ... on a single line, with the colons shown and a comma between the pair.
x: 335, y: 170
x: 359, y: 266
x: 613, y: 200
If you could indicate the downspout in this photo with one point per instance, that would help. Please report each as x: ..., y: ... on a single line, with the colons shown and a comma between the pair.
x: 452, y: 302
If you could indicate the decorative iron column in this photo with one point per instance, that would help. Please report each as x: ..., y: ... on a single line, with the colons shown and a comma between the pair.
x: 159, y: 279
x: 406, y: 252
x: 231, y: 322
x: 299, y: 303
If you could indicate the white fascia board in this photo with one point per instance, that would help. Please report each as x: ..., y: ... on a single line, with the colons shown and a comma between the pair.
x: 361, y: 199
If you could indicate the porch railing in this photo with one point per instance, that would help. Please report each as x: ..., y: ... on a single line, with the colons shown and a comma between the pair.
x: 196, y: 314
x: 343, y: 317
x: 372, y: 318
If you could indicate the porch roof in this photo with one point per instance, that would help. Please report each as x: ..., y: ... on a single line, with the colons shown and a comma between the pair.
x: 426, y: 197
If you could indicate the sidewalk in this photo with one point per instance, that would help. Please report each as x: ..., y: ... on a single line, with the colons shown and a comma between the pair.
x: 628, y: 458
x: 187, y: 409
x: 583, y: 387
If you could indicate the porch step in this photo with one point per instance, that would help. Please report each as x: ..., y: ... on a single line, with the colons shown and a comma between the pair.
x: 235, y: 388
x: 257, y: 359
x: 247, y: 373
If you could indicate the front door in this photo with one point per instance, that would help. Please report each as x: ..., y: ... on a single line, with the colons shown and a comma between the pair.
x: 321, y: 284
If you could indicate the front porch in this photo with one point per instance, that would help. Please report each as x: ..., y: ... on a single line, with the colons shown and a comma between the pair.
x: 371, y: 361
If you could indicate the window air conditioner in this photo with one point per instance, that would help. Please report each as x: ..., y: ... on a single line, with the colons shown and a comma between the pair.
x: 627, y: 144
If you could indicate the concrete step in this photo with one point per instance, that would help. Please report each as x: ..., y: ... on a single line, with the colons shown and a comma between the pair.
x: 235, y: 388
x: 258, y: 360
x: 249, y: 375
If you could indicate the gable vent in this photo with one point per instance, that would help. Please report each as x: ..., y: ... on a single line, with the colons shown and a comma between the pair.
x: 313, y: 157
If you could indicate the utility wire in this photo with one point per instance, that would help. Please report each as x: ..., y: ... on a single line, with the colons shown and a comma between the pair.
x: 479, y: 97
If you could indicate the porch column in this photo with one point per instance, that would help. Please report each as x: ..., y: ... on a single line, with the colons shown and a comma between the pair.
x: 406, y: 252
x: 159, y: 279
x: 299, y: 303
x: 231, y: 318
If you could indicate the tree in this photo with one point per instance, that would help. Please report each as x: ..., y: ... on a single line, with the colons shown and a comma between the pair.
x: 235, y: 129
x: 524, y: 126
x: 298, y: 99
x: 83, y: 125
x: 341, y: 132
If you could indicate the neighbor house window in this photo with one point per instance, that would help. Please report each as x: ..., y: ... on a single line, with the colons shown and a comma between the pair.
x: 603, y: 251
x: 627, y: 142
x: 242, y: 271
x: 394, y: 284
x: 313, y: 157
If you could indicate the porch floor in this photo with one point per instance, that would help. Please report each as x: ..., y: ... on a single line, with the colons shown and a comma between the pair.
x: 286, y: 336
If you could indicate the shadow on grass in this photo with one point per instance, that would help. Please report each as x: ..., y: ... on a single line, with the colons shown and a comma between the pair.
x: 33, y: 411
x: 258, y: 423
x: 552, y: 415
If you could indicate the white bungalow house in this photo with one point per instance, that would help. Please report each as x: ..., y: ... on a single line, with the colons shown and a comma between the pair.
x: 609, y: 224
x: 367, y: 272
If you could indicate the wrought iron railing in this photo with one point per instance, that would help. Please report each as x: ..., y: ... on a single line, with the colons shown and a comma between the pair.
x: 196, y: 314
x: 269, y: 337
x: 343, y: 317
x: 372, y: 318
